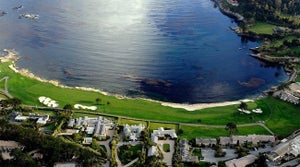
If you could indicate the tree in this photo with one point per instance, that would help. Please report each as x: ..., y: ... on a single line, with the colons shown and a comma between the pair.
x: 231, y: 128
x: 68, y: 107
x: 98, y: 100
x: 243, y: 106
x: 15, y: 102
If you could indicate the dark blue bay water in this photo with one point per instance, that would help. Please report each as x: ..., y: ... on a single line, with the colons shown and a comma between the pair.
x: 172, y: 50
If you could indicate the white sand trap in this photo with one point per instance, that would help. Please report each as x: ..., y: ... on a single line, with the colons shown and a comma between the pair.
x: 42, y: 99
x: 259, y: 111
x: 48, y: 102
x: 79, y: 106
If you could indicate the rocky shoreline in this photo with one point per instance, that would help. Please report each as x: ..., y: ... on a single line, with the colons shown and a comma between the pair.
x: 284, y: 61
x: 238, y: 17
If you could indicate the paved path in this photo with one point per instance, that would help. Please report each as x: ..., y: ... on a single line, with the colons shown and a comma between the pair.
x: 167, y: 155
x: 131, y: 163
x: 5, y: 90
x: 209, y: 155
x: 106, y: 145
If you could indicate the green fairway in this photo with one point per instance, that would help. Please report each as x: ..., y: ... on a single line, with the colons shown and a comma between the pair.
x: 155, y: 126
x: 190, y: 132
x: 50, y: 113
x: 131, y: 122
x: 29, y: 90
x: 284, y: 117
x: 262, y: 28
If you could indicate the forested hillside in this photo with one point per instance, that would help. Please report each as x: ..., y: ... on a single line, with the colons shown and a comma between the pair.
x: 280, y: 12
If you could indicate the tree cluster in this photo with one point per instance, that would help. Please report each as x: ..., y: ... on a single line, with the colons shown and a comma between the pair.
x: 278, y: 12
x: 53, y: 149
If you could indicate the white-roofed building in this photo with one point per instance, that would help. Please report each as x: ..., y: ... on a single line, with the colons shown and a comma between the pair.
x: 152, y: 151
x: 133, y: 131
x: 87, y: 140
x: 43, y: 119
x: 161, y: 132
x: 291, y: 147
x: 156, y: 134
x: 96, y: 126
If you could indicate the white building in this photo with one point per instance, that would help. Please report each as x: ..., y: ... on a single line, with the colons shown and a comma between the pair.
x: 87, y: 140
x: 152, y: 151
x: 287, y: 147
x: 160, y: 132
x: 96, y: 126
x: 133, y: 131
x: 41, y: 119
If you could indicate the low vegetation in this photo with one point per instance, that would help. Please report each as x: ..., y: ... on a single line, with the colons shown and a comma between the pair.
x: 127, y: 153
x: 262, y: 28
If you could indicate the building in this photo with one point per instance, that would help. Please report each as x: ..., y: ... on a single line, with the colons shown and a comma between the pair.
x: 65, y: 164
x: 290, y: 147
x: 93, y: 126
x: 87, y: 140
x: 206, y: 141
x: 7, y: 146
x: 41, y: 119
x: 156, y: 134
x: 185, y: 152
x: 161, y: 132
x: 254, y: 139
x: 133, y: 131
x: 241, y: 162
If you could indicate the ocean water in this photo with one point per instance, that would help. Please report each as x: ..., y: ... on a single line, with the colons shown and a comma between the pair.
x: 172, y: 50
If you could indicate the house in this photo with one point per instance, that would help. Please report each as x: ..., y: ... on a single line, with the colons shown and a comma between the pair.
x: 133, y: 131
x: 65, y: 164
x: 156, y: 134
x: 41, y: 119
x: 225, y: 141
x: 206, y: 141
x: 291, y: 147
x: 254, y: 139
x: 92, y: 126
x: 152, y: 151
x: 7, y: 146
x: 185, y: 152
x: 87, y: 140
x: 161, y: 132
x: 241, y: 162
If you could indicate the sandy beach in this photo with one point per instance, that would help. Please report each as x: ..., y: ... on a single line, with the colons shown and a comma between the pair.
x: 193, y: 107
x: 12, y: 55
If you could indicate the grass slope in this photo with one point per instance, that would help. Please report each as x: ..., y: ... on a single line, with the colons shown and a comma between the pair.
x: 284, y: 117
x: 262, y: 28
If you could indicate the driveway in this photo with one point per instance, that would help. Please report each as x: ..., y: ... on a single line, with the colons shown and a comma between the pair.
x: 167, y: 155
x: 209, y: 155
x: 105, y: 143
